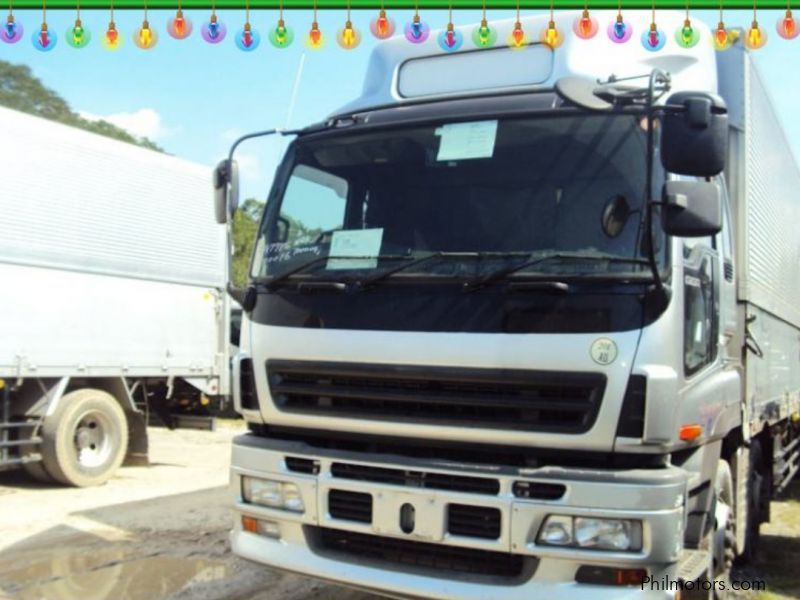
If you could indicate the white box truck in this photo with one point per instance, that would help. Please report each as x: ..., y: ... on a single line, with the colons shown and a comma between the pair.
x: 523, y: 324
x: 112, y: 304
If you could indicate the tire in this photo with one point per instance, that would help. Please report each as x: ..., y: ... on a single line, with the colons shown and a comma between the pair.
x: 725, y: 496
x: 85, y: 439
x: 720, y: 541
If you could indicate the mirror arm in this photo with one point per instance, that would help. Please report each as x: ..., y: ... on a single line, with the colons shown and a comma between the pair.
x: 250, y: 136
x: 244, y: 296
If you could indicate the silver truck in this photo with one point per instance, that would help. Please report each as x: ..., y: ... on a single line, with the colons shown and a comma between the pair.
x: 524, y: 324
x: 113, y: 299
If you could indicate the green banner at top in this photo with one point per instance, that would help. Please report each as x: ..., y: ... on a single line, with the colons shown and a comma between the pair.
x: 406, y: 4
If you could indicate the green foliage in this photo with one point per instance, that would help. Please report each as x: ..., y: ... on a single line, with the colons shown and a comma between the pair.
x: 244, y: 229
x: 21, y: 90
x: 245, y: 226
x: 300, y: 234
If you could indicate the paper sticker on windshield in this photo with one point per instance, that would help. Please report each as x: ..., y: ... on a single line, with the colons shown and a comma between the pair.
x: 603, y: 351
x: 458, y: 141
x: 361, y: 244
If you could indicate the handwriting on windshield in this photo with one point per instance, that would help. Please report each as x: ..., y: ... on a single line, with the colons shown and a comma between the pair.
x: 285, y: 251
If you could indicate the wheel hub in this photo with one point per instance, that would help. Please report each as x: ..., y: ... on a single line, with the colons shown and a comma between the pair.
x: 92, y: 440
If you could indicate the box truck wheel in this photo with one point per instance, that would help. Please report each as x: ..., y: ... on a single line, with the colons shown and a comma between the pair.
x: 85, y: 439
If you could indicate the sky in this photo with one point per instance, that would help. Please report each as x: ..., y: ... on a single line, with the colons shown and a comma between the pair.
x: 194, y: 98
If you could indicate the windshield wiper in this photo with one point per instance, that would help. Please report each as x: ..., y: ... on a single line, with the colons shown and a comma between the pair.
x: 502, y: 274
x: 277, y: 280
x: 370, y: 281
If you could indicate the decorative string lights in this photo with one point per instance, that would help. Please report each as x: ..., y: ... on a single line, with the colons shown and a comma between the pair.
x: 722, y: 38
x: 417, y: 31
x: 112, y: 40
x: 585, y: 26
x: 315, y: 40
x: 281, y: 36
x: 77, y: 36
x: 619, y: 30
x: 145, y: 37
x: 484, y: 36
x: 517, y: 39
x: 348, y: 37
x: 44, y: 40
x: 653, y: 39
x: 213, y: 31
x: 450, y: 39
x: 756, y: 37
x: 687, y: 36
x: 247, y: 38
x: 179, y: 27
x: 382, y: 26
x: 787, y: 27
x: 12, y: 31
x: 551, y: 35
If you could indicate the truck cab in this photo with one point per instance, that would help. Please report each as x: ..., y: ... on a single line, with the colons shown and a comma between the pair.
x: 491, y: 346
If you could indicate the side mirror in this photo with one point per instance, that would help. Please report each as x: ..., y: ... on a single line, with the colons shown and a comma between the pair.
x: 691, y: 209
x: 226, y: 190
x: 694, y: 136
x: 615, y: 215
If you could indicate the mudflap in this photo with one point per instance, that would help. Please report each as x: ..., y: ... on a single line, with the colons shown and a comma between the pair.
x: 137, y: 455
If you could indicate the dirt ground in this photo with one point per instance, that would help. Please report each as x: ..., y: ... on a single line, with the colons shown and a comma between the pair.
x: 161, y: 532
x: 150, y: 533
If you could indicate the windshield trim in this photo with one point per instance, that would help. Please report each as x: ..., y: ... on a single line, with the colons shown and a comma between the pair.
x: 452, y: 110
x: 620, y: 277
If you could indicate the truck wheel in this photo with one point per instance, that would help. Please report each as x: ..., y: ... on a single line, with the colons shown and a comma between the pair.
x: 724, y: 538
x: 720, y: 541
x: 85, y: 439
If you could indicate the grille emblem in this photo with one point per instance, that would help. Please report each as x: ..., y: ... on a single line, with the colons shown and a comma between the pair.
x: 407, y: 517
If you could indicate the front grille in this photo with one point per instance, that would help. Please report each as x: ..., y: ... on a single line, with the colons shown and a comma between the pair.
x: 437, y: 557
x: 474, y: 521
x: 501, y: 399
x: 418, y: 479
x: 350, y: 506
x: 539, y: 490
x: 302, y: 465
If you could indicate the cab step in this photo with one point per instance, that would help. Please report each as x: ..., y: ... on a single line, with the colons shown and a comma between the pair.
x: 693, y: 564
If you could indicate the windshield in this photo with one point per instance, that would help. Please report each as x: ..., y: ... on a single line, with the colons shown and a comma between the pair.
x: 498, y: 190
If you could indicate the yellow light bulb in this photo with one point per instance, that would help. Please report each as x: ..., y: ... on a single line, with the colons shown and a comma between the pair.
x: 756, y: 37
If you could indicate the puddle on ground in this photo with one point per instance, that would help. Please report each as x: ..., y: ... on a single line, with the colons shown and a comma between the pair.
x: 100, y: 573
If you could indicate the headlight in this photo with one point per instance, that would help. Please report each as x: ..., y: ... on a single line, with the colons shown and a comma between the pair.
x: 272, y: 494
x: 591, y: 532
x: 556, y: 531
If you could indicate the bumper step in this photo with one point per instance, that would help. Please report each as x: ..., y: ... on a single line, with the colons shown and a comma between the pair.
x: 693, y: 564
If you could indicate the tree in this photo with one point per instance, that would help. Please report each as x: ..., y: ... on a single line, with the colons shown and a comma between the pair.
x: 245, y: 224
x: 21, y: 90
x: 244, y: 230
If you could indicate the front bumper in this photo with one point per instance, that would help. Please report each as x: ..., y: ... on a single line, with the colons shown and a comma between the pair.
x: 656, y: 497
